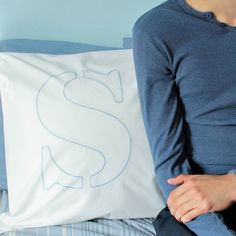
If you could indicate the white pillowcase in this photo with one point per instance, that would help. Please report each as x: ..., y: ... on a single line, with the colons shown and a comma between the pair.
x: 75, y: 143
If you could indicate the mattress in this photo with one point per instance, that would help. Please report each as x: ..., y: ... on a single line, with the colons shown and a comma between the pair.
x: 94, y: 227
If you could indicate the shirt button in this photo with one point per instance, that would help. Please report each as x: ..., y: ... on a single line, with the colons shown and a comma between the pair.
x: 209, y: 15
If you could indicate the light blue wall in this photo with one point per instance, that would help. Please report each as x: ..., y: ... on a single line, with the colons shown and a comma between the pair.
x: 101, y: 22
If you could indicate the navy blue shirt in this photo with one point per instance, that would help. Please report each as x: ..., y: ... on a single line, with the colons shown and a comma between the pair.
x: 185, y: 63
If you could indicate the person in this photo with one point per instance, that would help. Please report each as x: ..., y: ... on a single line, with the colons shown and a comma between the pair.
x: 184, y: 55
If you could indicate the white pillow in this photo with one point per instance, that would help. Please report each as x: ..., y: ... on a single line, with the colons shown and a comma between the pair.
x: 75, y: 143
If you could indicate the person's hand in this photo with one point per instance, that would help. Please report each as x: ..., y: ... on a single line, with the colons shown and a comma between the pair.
x: 199, y: 194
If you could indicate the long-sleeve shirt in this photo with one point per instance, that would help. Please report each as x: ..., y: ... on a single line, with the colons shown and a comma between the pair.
x: 185, y: 63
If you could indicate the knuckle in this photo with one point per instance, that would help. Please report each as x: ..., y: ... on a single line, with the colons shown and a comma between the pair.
x: 198, y: 193
x: 170, y: 197
x: 169, y: 204
x: 172, y: 210
x: 191, y: 182
x: 195, y: 189
x: 180, y: 212
x: 201, y: 196
x: 177, y: 216
x: 206, y: 206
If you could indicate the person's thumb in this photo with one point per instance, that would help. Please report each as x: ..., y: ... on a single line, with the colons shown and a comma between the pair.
x: 179, y: 179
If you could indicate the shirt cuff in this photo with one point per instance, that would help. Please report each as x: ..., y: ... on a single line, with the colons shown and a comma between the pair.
x: 233, y: 171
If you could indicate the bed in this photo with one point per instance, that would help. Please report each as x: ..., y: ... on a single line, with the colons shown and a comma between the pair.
x: 98, y: 226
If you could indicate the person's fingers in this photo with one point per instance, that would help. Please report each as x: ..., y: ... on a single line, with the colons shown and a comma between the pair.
x: 179, y: 179
x: 174, y: 194
x: 190, y: 215
x: 189, y: 205
x: 181, y: 199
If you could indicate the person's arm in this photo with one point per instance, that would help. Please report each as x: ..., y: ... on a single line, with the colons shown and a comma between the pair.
x: 164, y: 124
x: 161, y: 110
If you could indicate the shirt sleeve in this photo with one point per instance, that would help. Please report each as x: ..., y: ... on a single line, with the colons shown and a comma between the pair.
x: 161, y: 110
x: 164, y: 124
x: 233, y: 171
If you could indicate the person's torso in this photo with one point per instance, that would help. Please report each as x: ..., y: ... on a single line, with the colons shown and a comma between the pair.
x: 202, y: 55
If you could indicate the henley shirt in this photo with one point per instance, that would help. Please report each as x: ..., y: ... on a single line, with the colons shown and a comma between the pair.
x: 185, y: 63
